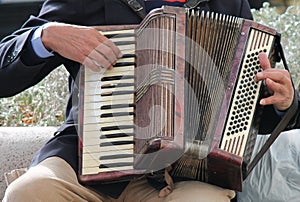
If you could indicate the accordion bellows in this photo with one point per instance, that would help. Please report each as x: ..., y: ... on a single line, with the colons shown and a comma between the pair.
x: 182, y: 95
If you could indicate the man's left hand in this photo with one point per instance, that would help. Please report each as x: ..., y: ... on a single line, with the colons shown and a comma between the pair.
x: 278, y: 82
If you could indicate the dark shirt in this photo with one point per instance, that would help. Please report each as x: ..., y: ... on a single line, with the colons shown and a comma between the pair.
x: 152, y: 4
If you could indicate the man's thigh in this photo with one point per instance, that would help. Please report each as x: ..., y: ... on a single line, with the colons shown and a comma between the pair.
x: 186, y: 191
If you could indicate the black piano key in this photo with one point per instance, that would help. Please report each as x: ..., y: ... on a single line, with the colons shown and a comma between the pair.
x: 112, y: 165
x: 107, y: 86
x: 115, y: 156
x: 116, y: 143
x: 122, y: 43
x: 128, y: 55
x: 116, y: 135
x: 122, y: 64
x: 107, y: 115
x: 120, y: 35
x: 116, y: 106
x: 109, y: 128
x: 112, y: 78
x: 123, y: 92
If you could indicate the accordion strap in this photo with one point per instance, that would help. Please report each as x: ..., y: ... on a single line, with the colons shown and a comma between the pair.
x: 140, y: 10
x: 136, y: 7
x: 289, y: 114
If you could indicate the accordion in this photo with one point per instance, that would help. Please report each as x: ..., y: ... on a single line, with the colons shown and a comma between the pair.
x: 183, y: 95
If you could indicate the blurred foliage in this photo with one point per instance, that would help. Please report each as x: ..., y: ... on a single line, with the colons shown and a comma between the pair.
x: 44, y: 103
x: 288, y: 25
x: 40, y: 105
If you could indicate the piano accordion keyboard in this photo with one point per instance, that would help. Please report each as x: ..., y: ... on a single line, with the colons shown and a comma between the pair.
x: 108, y: 123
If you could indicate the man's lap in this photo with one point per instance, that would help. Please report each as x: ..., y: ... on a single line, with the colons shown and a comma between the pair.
x: 54, y: 175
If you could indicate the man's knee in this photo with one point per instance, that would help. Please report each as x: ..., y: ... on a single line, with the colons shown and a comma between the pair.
x: 199, y: 191
x: 29, y: 188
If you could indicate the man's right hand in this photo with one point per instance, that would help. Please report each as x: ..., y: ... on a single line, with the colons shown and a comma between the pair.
x: 81, y: 44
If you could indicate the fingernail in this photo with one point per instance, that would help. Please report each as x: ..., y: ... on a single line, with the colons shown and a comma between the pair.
x: 262, y: 102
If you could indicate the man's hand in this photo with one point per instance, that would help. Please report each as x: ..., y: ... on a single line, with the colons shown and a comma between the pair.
x: 278, y: 82
x: 81, y: 44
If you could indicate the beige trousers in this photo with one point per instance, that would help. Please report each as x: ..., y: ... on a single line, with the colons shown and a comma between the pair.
x: 54, y: 180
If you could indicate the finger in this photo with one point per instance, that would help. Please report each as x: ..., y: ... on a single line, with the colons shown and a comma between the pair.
x: 107, y: 52
x: 268, y: 101
x: 264, y: 61
x: 282, y: 95
x: 273, y: 86
x: 89, y: 63
x: 115, y: 48
x: 277, y: 75
x: 103, y: 39
x: 100, y: 60
x: 278, y: 101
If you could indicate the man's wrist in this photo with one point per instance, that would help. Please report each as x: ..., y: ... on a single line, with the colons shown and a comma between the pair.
x: 280, y: 113
x: 37, y: 45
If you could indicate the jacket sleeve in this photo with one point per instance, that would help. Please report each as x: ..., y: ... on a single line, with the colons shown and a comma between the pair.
x: 20, y: 67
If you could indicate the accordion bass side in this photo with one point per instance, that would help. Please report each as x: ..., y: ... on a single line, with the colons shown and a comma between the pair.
x: 182, y: 95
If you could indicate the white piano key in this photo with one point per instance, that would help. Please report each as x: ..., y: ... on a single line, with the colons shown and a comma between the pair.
x: 127, y: 59
x: 91, y: 141
x: 118, y: 32
x: 90, y: 171
x: 96, y: 170
x: 96, y: 133
x: 91, y: 152
x: 95, y: 150
x: 117, y: 152
x: 125, y: 88
x: 109, y: 121
x: 95, y: 92
x: 93, y: 145
x: 116, y: 147
x: 119, y: 160
x: 93, y: 130
x: 118, y: 39
x: 120, y: 71
x: 111, y: 99
x: 90, y: 160
x: 97, y: 128
x: 99, y: 84
x: 91, y: 106
x: 97, y: 113
x: 128, y: 138
x: 123, y: 168
x: 126, y: 47
x: 116, y: 82
x: 112, y: 102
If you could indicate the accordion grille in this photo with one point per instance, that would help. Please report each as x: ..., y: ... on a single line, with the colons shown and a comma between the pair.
x: 212, y: 39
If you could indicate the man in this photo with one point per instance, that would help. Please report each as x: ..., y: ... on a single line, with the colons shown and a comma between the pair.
x: 61, y: 34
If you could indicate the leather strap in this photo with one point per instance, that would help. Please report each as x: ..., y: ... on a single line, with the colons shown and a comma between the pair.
x: 136, y: 7
x: 140, y: 10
